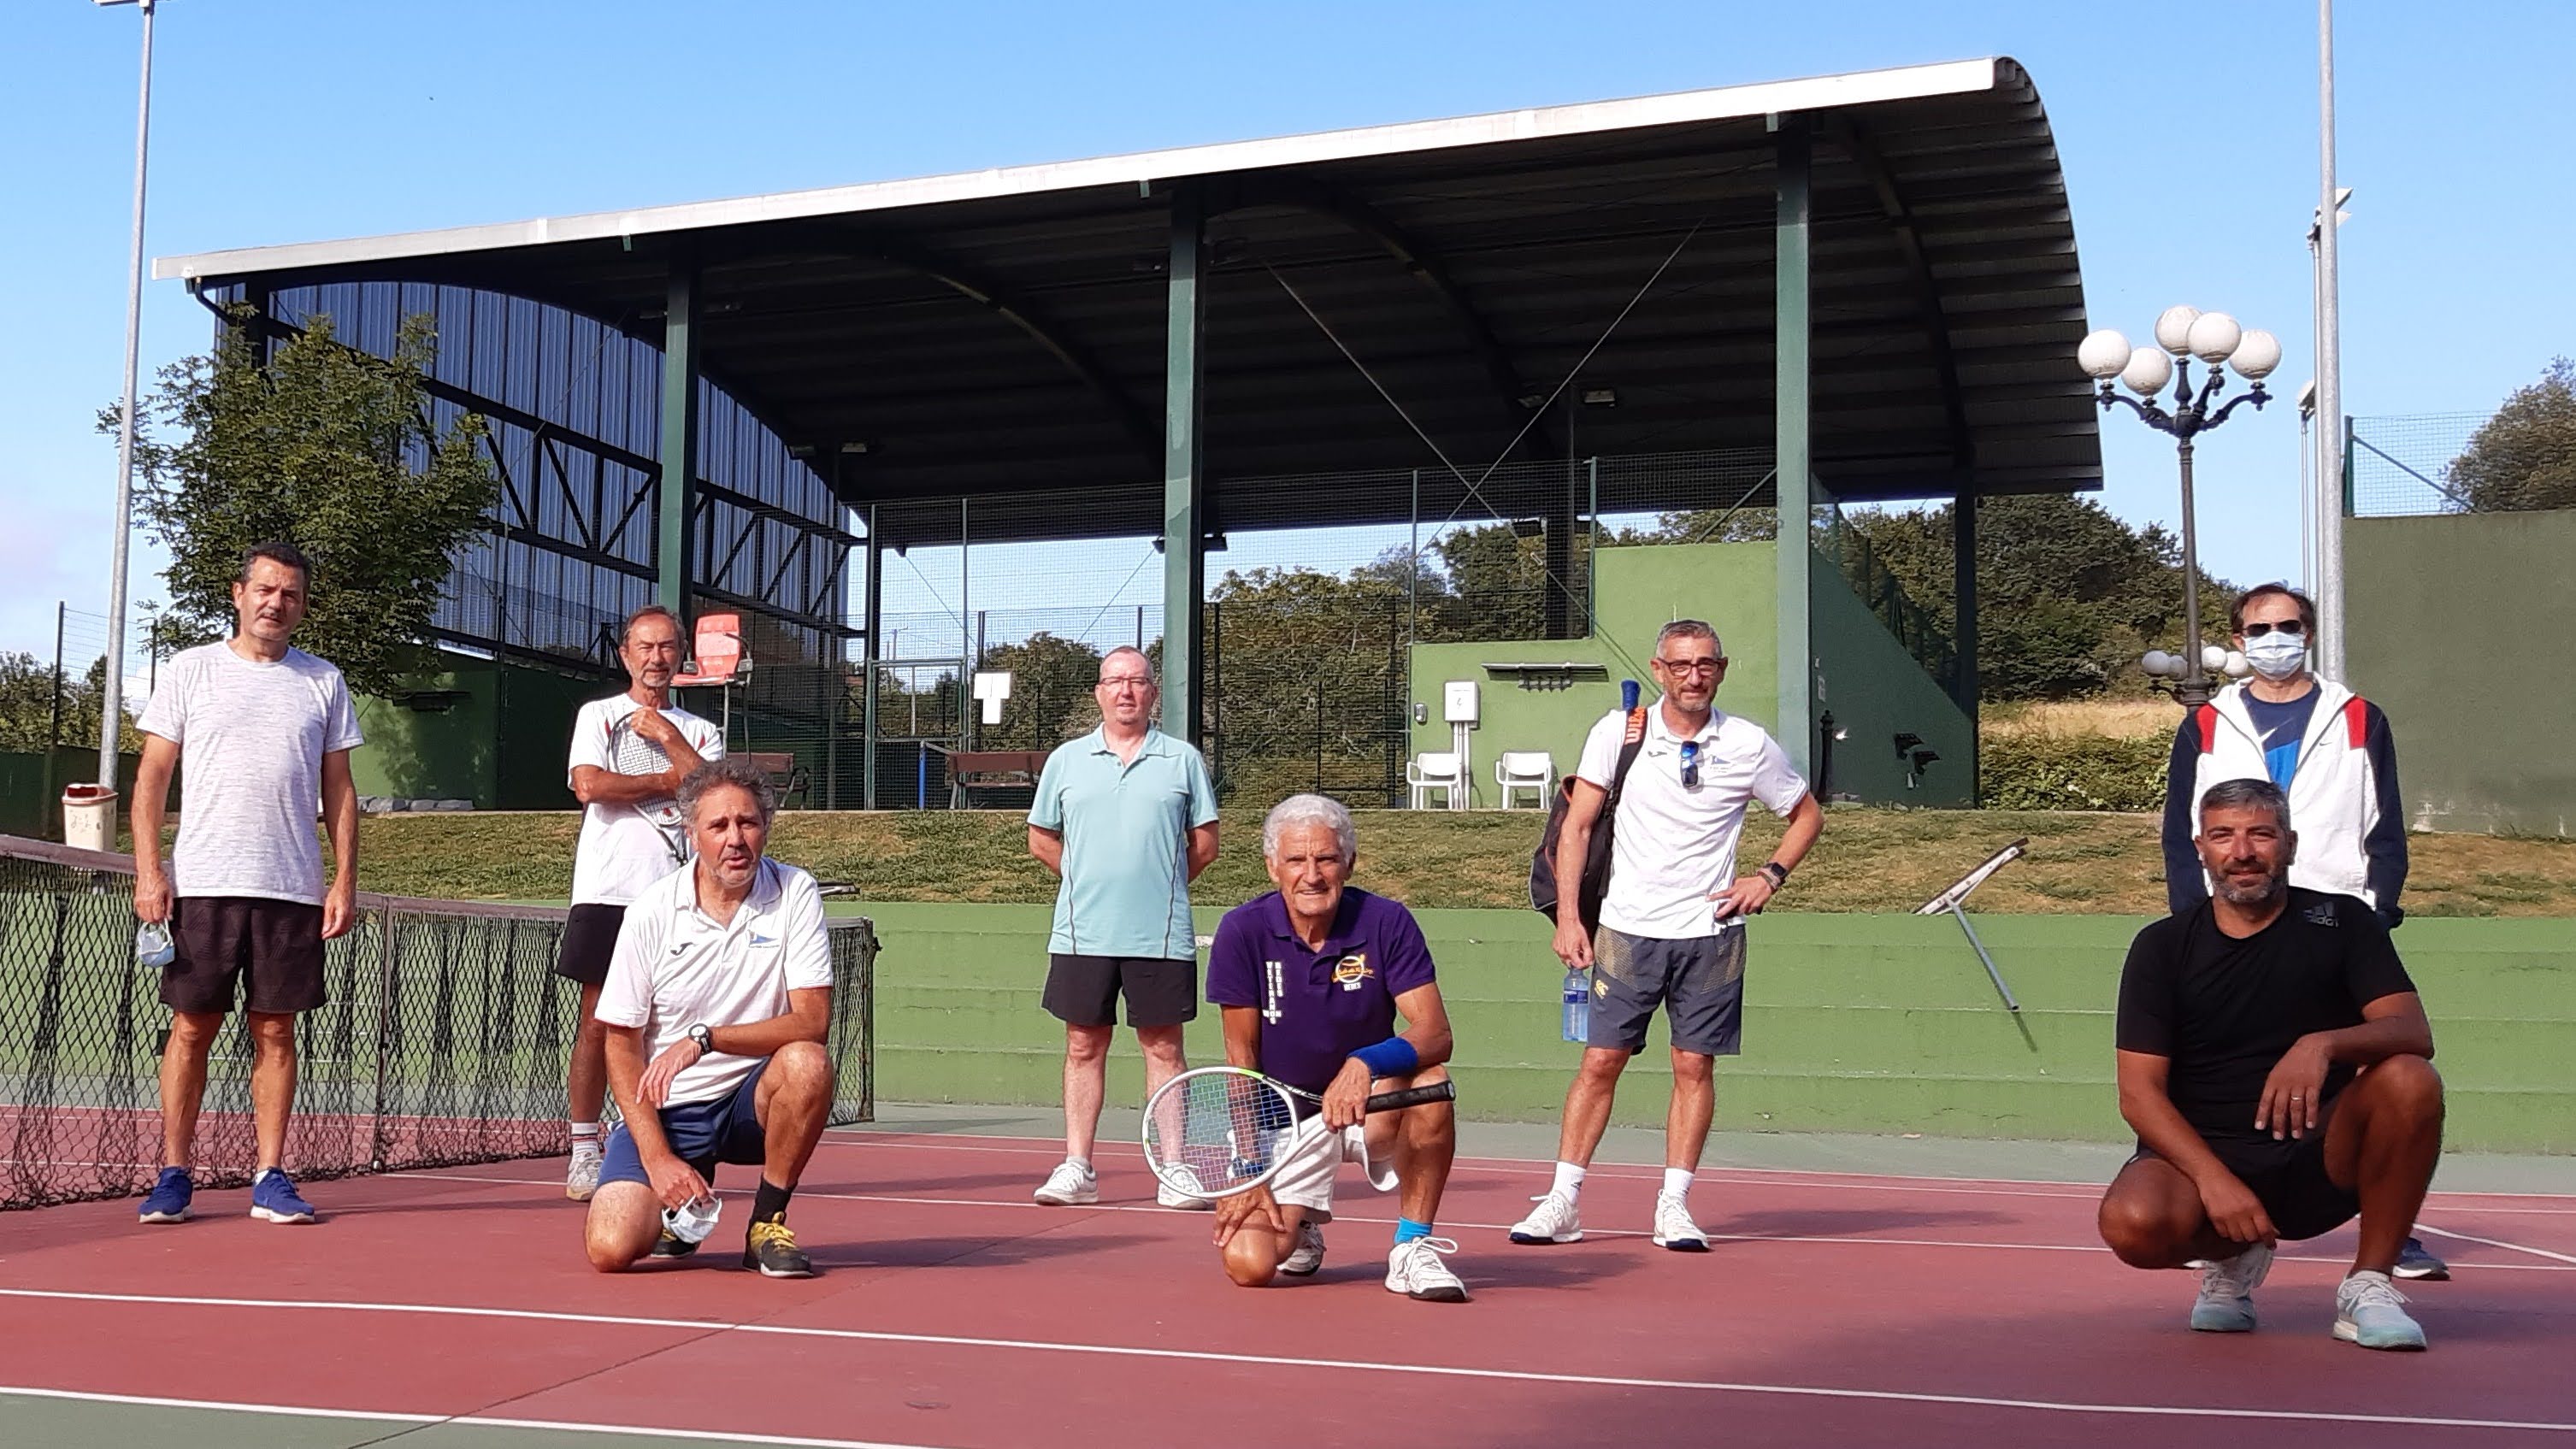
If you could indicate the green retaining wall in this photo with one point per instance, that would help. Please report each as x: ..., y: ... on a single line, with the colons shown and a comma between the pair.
x: 32, y: 781
x: 2463, y: 628
x: 485, y: 731
x: 1880, y: 1024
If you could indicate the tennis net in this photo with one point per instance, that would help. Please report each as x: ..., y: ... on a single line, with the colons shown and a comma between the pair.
x: 444, y: 1042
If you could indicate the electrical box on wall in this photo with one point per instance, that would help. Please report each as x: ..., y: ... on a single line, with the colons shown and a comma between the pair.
x: 1458, y: 701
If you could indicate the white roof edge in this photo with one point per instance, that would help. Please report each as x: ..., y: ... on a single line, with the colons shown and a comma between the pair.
x: 1730, y: 102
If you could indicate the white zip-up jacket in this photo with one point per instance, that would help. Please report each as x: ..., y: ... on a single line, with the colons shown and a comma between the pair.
x: 2344, y: 803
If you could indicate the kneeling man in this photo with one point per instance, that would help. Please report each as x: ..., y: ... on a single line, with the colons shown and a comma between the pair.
x: 1311, y: 978
x: 2276, y: 1063
x: 717, y: 1002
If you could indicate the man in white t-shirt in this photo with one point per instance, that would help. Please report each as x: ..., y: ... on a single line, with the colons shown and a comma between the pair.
x: 717, y: 1004
x: 266, y: 731
x: 629, y: 754
x: 1671, y: 782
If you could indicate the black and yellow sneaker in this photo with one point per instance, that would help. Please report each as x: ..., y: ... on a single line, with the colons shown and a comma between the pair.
x: 672, y: 1245
x: 772, y: 1249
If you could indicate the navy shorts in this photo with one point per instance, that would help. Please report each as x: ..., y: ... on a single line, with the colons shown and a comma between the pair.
x: 701, y: 1134
x: 1699, y: 981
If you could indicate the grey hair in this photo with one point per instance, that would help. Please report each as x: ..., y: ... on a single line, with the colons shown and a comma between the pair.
x: 716, y: 774
x: 2248, y: 794
x: 1689, y: 629
x: 1141, y: 658
x: 1302, y: 810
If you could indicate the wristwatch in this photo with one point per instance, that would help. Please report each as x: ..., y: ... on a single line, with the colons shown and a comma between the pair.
x: 705, y: 1038
x: 1776, y: 873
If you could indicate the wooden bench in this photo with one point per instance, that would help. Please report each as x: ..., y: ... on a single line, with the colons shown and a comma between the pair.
x: 970, y: 769
x: 785, y: 775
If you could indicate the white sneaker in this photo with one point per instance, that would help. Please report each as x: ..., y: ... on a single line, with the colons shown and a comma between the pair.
x: 1307, y: 1258
x: 1166, y: 1195
x: 1674, y: 1228
x: 2226, y: 1301
x: 1556, y: 1219
x: 582, y: 1178
x: 1414, y: 1269
x: 2369, y: 1312
x: 1070, y: 1185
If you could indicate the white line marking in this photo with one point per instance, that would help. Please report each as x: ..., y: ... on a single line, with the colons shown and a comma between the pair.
x: 480, y: 1421
x: 944, y: 1340
x: 809, y: 1194
x: 2425, y: 1227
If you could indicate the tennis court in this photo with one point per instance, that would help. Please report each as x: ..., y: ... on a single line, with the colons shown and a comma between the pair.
x: 452, y: 1306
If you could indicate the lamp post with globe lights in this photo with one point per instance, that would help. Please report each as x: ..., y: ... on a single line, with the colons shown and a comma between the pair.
x: 2181, y: 335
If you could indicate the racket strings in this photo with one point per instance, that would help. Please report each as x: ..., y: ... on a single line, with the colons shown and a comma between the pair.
x: 1219, y: 1133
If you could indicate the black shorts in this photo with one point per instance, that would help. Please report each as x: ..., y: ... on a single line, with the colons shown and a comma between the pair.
x: 589, y: 940
x: 2289, y: 1178
x: 265, y: 953
x: 1084, y: 990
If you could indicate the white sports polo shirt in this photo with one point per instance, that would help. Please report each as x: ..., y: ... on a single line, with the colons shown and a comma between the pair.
x: 1672, y: 847
x: 676, y: 967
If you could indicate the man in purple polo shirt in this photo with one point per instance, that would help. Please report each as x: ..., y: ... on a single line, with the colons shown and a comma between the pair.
x: 1312, y: 978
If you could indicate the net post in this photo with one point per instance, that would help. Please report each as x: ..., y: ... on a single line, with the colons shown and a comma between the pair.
x: 377, y: 1132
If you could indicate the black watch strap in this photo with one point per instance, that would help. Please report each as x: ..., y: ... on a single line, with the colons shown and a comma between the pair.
x: 1778, y: 873
x: 704, y: 1037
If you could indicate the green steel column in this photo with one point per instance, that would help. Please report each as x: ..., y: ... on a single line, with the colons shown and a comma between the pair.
x: 1792, y: 453
x: 1184, y: 480
x: 675, y: 550
x: 871, y: 651
x: 1963, y: 643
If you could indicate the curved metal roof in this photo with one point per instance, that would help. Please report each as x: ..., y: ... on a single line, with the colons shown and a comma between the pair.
x: 1002, y: 332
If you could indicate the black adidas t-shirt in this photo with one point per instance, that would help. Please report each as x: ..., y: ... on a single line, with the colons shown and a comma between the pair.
x: 2224, y: 1010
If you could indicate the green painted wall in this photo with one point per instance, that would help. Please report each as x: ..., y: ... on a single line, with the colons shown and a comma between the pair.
x: 500, y: 742
x: 2463, y: 628
x: 31, y: 788
x: 1873, y: 689
x: 1881, y: 1024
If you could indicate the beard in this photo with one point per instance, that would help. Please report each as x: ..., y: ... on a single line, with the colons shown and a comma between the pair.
x: 2261, y: 893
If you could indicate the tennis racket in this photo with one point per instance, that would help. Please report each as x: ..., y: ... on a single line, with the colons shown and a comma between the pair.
x: 630, y: 753
x: 1218, y: 1131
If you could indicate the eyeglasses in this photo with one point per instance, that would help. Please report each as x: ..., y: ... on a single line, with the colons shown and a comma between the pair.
x: 1115, y: 680
x: 1692, y: 666
x: 1690, y: 764
x: 2286, y: 626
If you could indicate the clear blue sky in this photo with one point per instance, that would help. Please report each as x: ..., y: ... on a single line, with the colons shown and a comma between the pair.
x: 2188, y: 136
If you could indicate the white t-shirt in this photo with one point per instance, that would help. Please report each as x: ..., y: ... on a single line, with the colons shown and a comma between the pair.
x: 251, y: 738
x: 620, y: 852
x: 676, y: 967
x: 1672, y: 847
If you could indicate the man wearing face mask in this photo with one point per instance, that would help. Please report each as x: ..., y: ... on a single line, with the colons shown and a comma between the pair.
x: 2328, y: 748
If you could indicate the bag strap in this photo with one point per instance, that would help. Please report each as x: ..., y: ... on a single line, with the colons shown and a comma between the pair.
x: 1628, y: 752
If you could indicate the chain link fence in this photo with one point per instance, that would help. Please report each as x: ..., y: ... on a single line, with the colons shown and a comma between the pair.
x: 2401, y: 467
x: 444, y: 1042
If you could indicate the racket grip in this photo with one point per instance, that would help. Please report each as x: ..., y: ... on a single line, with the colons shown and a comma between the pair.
x: 1413, y: 1097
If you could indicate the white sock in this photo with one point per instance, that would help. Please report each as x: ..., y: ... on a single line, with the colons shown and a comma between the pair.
x: 585, y: 1137
x: 1677, y: 1181
x: 1569, y: 1181
x: 1085, y: 1164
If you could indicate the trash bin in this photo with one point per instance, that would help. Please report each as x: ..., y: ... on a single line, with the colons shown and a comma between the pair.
x: 89, y: 816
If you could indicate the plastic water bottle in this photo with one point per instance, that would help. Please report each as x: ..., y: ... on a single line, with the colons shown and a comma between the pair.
x: 152, y: 948
x: 1578, y: 1004
x: 691, y: 1222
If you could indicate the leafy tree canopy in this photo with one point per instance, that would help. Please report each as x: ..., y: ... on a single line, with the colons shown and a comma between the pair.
x: 2525, y: 456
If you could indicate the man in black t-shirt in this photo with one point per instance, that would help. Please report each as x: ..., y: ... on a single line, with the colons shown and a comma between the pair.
x: 2243, y: 1028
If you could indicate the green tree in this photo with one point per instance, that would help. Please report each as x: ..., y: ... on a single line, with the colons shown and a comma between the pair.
x: 28, y: 718
x: 1051, y: 681
x: 1306, y: 681
x: 328, y: 447
x: 2524, y: 457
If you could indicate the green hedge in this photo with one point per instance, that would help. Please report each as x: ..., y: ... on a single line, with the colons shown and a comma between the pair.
x: 2072, y: 772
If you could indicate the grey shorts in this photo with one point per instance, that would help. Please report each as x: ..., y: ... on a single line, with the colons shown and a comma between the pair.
x: 1699, y: 981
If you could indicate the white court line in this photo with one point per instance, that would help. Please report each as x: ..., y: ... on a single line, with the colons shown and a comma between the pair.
x: 2424, y: 1227
x: 1419, y: 1370
x: 479, y: 1421
x: 1113, y: 1207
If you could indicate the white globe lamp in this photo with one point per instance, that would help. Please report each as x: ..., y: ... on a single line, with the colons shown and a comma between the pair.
x: 2237, y: 668
x: 2257, y: 353
x: 2158, y: 664
x: 2103, y: 354
x: 2173, y: 329
x: 2148, y: 372
x: 2213, y: 336
x: 2213, y: 657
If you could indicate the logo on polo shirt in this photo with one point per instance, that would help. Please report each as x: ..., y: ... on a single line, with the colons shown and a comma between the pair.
x: 758, y: 939
x: 1351, y: 970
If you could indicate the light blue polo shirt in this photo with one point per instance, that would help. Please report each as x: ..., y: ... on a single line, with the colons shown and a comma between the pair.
x: 1126, y: 829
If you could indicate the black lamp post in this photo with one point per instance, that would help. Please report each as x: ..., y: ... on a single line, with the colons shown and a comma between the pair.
x: 2182, y: 334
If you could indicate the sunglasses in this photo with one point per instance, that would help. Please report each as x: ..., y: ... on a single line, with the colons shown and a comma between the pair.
x: 1690, y: 764
x: 2286, y: 626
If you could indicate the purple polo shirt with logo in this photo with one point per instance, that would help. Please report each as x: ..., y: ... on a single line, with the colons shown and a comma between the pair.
x: 1317, y: 1007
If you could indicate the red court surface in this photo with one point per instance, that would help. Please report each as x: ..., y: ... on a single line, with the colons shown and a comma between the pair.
x: 1835, y: 1310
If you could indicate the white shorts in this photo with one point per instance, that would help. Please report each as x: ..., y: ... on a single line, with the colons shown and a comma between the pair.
x: 1314, y: 1159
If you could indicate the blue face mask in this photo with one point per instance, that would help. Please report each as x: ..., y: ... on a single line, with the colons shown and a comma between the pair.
x: 2277, y: 655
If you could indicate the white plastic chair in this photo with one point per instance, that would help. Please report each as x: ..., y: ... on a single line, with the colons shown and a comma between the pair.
x: 1435, y: 770
x: 1532, y: 770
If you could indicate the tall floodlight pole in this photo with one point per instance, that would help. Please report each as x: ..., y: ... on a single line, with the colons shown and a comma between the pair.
x: 111, y: 711
x: 2329, y: 583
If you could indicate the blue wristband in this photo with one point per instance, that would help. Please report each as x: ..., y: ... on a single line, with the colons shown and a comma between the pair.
x: 1393, y: 1057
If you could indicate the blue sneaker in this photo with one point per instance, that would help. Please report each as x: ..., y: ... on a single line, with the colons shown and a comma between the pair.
x: 2417, y: 1262
x: 168, y: 1200
x: 273, y: 1199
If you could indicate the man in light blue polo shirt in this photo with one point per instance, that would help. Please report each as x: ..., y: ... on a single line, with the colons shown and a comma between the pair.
x: 1126, y: 817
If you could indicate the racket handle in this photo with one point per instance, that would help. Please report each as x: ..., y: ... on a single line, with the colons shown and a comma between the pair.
x: 1413, y: 1097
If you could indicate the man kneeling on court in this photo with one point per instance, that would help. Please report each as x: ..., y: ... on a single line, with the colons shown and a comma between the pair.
x: 722, y: 982
x: 2276, y: 1063
x: 1311, y: 978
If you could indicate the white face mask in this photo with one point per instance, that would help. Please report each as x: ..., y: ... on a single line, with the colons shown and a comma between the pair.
x: 2277, y: 655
